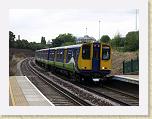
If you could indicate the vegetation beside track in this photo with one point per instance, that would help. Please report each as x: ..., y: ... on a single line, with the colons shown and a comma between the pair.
x: 15, y: 55
x: 118, y: 58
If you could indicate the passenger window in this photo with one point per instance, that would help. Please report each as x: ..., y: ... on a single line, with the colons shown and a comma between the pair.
x: 51, y: 55
x: 61, y: 54
x: 86, y: 51
x: 69, y: 55
x: 74, y: 53
x: 58, y: 56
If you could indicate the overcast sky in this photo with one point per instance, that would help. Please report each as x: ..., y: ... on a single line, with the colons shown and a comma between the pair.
x: 32, y: 24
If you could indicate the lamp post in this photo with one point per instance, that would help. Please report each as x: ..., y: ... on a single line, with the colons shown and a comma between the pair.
x: 86, y: 30
x: 136, y: 18
x: 99, y: 29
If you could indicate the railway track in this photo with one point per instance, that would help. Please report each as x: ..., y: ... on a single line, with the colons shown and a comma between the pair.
x: 115, y: 95
x: 57, y: 95
x: 124, y: 94
x: 79, y: 94
x: 121, y: 97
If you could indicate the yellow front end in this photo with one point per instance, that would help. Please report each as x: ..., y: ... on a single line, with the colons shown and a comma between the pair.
x: 85, y: 64
x: 105, y: 64
x: 94, y: 59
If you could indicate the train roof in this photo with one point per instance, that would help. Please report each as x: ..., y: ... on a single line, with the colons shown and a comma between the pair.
x: 66, y: 47
x: 63, y: 47
x: 43, y: 49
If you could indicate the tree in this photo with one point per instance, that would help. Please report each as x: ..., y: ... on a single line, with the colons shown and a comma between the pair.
x: 22, y: 44
x: 18, y: 44
x: 43, y: 41
x: 105, y: 39
x: 63, y: 38
x: 122, y: 41
x: 132, y: 41
x: 68, y: 43
x: 11, y: 39
x: 25, y: 44
x: 116, y: 41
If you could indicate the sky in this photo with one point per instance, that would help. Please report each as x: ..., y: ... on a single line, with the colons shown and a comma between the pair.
x: 32, y: 24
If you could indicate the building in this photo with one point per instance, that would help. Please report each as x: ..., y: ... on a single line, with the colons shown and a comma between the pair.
x: 49, y: 42
x: 85, y: 39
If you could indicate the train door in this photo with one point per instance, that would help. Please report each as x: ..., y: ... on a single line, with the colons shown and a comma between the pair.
x: 96, y: 57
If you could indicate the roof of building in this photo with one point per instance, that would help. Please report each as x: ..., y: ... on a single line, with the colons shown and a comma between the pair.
x: 86, y: 37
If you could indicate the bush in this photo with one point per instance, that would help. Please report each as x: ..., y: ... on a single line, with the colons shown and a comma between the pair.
x: 105, y: 39
x: 132, y: 41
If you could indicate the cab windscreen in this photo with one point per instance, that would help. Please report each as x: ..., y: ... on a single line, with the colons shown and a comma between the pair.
x: 105, y: 53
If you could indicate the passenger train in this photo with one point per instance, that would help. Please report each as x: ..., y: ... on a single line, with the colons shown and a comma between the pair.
x: 85, y: 61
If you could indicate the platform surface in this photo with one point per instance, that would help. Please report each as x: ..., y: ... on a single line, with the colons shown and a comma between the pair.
x: 127, y: 78
x: 24, y: 93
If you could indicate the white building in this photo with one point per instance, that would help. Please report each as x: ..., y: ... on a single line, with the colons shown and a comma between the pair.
x: 85, y: 39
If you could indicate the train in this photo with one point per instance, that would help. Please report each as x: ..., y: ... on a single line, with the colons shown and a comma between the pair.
x: 82, y: 62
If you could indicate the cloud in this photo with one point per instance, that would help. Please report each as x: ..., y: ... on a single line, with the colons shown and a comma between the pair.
x: 31, y: 24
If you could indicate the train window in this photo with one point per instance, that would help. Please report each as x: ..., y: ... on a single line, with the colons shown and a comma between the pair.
x: 77, y: 52
x: 46, y: 54
x: 74, y: 53
x: 43, y: 54
x: 69, y: 55
x: 58, y: 55
x: 52, y: 55
x: 105, y: 53
x: 86, y: 51
x: 61, y: 54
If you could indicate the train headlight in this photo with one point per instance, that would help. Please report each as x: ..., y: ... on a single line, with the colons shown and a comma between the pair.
x: 103, y: 67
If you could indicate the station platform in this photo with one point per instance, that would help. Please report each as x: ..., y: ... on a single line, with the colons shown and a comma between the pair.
x: 127, y: 78
x: 23, y: 93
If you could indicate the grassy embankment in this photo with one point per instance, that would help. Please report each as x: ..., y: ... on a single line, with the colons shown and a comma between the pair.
x: 118, y: 58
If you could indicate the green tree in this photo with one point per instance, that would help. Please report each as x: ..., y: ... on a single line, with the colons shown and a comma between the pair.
x: 11, y: 39
x: 33, y: 46
x: 63, y: 38
x: 132, y: 41
x: 116, y: 41
x: 122, y: 41
x: 43, y: 41
x: 18, y: 44
x: 68, y: 43
x: 105, y: 39
x: 25, y: 44
x: 22, y: 44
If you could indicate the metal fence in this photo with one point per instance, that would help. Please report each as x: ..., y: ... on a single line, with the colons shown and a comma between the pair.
x: 131, y: 67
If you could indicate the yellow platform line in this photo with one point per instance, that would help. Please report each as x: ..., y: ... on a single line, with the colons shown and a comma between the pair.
x: 11, y: 94
x: 17, y: 96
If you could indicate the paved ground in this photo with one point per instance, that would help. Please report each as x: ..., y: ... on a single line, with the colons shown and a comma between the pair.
x: 24, y: 93
x: 133, y: 77
x: 127, y: 78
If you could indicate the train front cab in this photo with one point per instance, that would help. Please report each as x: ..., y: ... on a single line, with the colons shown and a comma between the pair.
x: 94, y: 60
x: 105, y: 59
